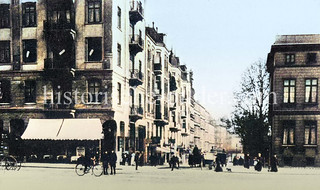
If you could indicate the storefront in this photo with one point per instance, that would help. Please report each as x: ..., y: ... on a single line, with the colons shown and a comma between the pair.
x: 55, y: 140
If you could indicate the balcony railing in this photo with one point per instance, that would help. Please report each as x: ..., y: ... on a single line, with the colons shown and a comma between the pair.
x: 136, y: 110
x: 136, y: 77
x: 137, y: 39
x: 49, y: 25
x: 49, y: 63
x: 136, y: 74
x: 136, y: 11
x: 136, y: 44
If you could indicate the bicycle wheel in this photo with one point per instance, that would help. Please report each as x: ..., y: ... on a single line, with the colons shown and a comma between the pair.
x: 97, y: 170
x: 10, y: 163
x: 80, y: 169
x: 18, y: 166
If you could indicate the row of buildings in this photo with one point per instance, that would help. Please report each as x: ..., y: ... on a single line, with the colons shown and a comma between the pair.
x: 86, y: 59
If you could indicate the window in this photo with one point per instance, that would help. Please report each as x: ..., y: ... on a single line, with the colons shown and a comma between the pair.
x: 5, y: 52
x: 5, y: 91
x: 310, y: 131
x: 119, y: 18
x: 93, y: 11
x: 119, y: 93
x: 29, y: 51
x: 119, y: 55
x: 288, y: 132
x: 311, y: 90
x: 94, y: 91
x: 30, y: 91
x: 290, y: 58
x: 29, y: 14
x: 311, y: 58
x: 4, y: 16
x: 93, y: 49
x: 289, y: 90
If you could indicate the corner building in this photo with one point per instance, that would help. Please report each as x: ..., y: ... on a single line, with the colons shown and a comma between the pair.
x: 293, y: 64
x: 49, y: 48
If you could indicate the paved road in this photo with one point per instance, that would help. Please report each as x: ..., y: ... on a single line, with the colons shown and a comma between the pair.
x: 153, y: 178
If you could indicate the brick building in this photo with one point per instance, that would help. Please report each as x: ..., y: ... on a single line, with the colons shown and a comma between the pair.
x: 293, y: 64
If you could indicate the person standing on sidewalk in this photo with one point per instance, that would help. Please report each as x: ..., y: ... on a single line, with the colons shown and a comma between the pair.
x: 137, y: 159
x: 105, y: 161
x: 113, y: 161
x: 247, y: 161
x: 274, y: 163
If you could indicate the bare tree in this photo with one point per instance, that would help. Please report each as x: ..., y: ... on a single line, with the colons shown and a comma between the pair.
x: 253, y: 95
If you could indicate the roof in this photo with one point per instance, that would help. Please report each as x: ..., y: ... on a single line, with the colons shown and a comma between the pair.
x: 297, y: 39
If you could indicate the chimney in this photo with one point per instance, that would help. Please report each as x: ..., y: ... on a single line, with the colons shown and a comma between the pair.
x: 152, y: 24
x: 157, y: 29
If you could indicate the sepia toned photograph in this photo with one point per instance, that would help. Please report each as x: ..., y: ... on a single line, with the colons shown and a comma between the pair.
x: 159, y: 94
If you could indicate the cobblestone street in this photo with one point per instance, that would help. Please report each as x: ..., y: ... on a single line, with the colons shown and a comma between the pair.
x: 160, y: 178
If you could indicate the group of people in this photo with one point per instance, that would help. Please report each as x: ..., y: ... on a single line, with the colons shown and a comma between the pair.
x: 109, y: 159
x: 258, y: 162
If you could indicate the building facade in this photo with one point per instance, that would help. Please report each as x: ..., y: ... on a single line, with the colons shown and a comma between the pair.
x: 293, y: 64
x: 64, y: 59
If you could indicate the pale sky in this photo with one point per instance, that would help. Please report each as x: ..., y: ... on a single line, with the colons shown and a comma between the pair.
x: 219, y: 39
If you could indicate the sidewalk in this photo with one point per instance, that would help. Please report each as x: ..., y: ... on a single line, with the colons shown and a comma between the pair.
x: 48, y: 165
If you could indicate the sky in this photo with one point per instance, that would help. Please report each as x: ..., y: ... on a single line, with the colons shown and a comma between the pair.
x: 219, y: 39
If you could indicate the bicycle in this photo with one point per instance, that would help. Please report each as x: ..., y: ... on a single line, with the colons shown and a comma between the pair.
x: 96, y: 169
x: 10, y: 163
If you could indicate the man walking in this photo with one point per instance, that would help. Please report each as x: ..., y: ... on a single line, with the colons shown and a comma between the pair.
x: 137, y: 159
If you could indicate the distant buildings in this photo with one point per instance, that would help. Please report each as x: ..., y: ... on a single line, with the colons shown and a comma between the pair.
x: 64, y: 59
x: 293, y: 64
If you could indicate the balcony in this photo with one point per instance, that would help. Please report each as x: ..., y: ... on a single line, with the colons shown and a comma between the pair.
x: 57, y: 69
x: 136, y: 113
x: 173, y: 106
x: 174, y: 129
x: 136, y: 77
x: 173, y: 141
x: 157, y: 68
x: 155, y: 140
x: 49, y: 25
x: 59, y: 29
x: 160, y: 120
x: 136, y: 12
x: 136, y: 44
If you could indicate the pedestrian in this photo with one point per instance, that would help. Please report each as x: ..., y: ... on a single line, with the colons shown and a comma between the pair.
x: 105, y: 162
x: 113, y: 161
x: 258, y: 166
x: 129, y: 158
x: 240, y: 161
x: 173, y: 162
x: 141, y: 159
x: 247, y: 161
x: 137, y: 159
x: 218, y: 166
x: 235, y: 161
x: 274, y: 163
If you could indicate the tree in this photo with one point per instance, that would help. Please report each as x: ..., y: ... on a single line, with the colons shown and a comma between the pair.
x: 249, y: 119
